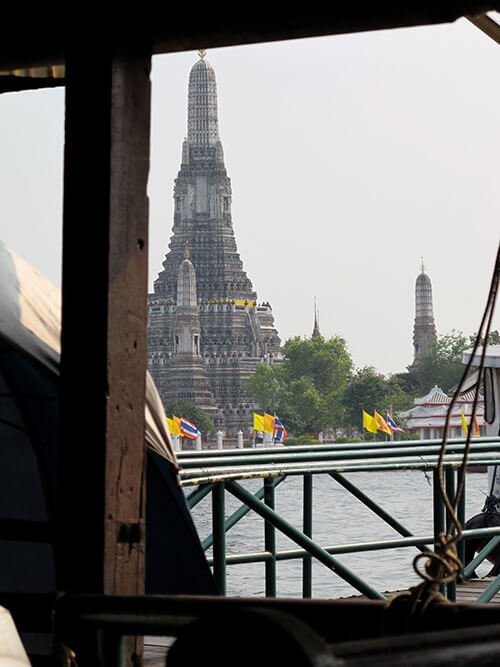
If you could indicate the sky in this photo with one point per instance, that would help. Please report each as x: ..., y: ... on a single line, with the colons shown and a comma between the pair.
x: 351, y: 157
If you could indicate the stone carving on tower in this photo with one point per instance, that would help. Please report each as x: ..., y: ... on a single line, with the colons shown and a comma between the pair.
x: 235, y: 332
x: 424, y: 328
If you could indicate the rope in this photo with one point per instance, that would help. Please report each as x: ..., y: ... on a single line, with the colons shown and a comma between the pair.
x: 443, y: 565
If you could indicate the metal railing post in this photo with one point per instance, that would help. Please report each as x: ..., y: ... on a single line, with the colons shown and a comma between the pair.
x: 270, y: 540
x: 438, y: 515
x: 307, y: 528
x: 219, y: 536
x: 461, y: 518
x: 449, y: 473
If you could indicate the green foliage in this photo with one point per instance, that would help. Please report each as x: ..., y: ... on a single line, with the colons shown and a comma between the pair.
x: 265, y: 387
x: 441, y: 364
x: 493, y: 338
x: 306, y: 389
x: 369, y: 390
x: 344, y: 439
x: 302, y: 440
x: 182, y: 407
x: 406, y: 436
x: 315, y: 386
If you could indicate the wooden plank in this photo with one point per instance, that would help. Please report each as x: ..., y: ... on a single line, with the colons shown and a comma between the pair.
x: 100, y: 543
x: 467, y: 592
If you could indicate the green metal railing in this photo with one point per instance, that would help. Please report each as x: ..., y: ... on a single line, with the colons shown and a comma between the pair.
x: 221, y: 471
x: 107, y: 620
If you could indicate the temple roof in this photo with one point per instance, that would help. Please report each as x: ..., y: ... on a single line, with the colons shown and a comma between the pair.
x: 436, y: 396
x: 431, y: 410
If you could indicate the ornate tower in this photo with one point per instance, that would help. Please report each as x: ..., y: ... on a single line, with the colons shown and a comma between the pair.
x: 316, y: 332
x: 187, y: 377
x: 424, y: 328
x: 235, y: 332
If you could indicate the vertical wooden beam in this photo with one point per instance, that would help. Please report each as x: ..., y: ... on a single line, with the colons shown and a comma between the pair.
x: 100, y: 546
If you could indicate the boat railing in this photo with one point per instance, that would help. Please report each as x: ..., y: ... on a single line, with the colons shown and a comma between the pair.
x: 221, y: 472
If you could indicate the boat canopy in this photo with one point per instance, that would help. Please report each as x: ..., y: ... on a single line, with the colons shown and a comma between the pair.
x: 30, y: 326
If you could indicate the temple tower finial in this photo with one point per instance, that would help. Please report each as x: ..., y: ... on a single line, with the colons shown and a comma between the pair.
x: 202, y: 53
x: 423, y: 267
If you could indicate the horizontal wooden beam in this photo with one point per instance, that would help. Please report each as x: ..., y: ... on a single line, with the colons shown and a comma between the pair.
x: 12, y: 84
x: 41, y: 38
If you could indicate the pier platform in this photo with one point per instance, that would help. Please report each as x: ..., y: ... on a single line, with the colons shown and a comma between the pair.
x: 156, y: 648
x: 467, y: 593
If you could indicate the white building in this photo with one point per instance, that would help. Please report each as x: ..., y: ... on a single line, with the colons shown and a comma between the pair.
x: 428, y: 417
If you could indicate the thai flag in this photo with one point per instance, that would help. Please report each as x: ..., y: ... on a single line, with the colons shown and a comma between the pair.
x: 188, y: 429
x: 393, y: 426
x: 279, y: 430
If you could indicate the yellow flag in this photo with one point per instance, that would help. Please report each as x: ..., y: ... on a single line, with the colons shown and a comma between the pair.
x: 268, y: 423
x: 258, y: 422
x: 176, y: 426
x: 369, y: 423
x: 382, y: 425
x: 464, y: 424
x: 476, y: 426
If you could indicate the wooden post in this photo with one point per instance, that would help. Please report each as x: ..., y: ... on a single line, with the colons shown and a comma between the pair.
x: 100, y: 543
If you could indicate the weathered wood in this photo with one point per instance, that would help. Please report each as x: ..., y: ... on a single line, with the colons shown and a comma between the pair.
x: 100, y: 545
x: 41, y: 37
x: 467, y: 593
x: 334, y: 620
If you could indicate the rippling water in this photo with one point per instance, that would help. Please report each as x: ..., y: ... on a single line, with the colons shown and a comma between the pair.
x: 338, y: 518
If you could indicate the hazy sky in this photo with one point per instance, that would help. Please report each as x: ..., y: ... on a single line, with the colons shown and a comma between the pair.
x: 350, y: 158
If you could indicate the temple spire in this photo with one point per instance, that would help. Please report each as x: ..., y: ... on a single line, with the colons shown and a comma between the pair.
x: 316, y: 332
x: 203, y: 130
x: 206, y: 332
x: 424, y: 329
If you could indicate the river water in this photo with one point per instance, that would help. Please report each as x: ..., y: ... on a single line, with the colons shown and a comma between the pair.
x: 338, y: 518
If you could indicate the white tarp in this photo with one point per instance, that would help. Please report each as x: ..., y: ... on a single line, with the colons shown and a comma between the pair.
x: 30, y: 320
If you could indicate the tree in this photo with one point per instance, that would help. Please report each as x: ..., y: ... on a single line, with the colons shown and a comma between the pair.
x: 493, y: 338
x: 182, y: 407
x: 265, y: 387
x: 306, y: 389
x: 326, y: 362
x: 369, y: 390
x: 441, y: 364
